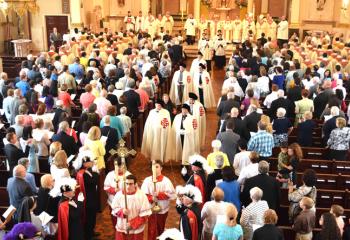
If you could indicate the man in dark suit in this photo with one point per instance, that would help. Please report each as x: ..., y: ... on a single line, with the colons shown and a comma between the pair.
x: 12, y: 152
x: 55, y: 38
x: 330, y: 124
x: 251, y: 120
x: 111, y: 97
x: 229, y: 141
x: 111, y: 134
x: 176, y: 53
x: 281, y: 102
x: 58, y: 113
x: 18, y: 188
x: 269, y: 185
x: 132, y: 100
x: 68, y: 143
x: 239, y: 126
x: 225, y: 106
x: 128, y: 51
x: 262, y: 39
x: 320, y: 102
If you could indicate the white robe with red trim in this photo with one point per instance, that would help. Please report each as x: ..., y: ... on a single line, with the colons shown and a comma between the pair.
x: 155, y: 135
x: 198, y: 112
x: 188, y: 87
x: 110, y: 185
x: 208, y: 94
x: 175, y: 151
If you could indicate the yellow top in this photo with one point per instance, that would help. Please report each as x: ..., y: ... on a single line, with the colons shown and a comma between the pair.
x: 211, y: 159
x: 98, y: 150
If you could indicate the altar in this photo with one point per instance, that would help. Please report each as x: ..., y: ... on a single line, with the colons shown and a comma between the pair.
x: 22, y: 47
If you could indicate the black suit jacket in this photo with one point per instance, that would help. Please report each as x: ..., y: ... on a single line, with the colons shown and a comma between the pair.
x: 56, y: 118
x: 132, y: 101
x: 268, y: 231
x: 269, y: 186
x: 283, y: 103
x: 327, y: 128
x: 68, y: 143
x: 226, y: 106
x: 239, y: 128
x: 320, y: 103
x: 13, y: 154
x: 18, y: 188
x: 112, y: 137
x: 176, y: 55
x: 113, y: 99
x: 251, y: 121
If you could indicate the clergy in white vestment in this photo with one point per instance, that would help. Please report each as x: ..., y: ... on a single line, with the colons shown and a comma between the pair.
x: 129, y: 22
x: 272, y: 28
x: 183, y: 138
x: 190, y: 27
x: 156, y: 131
x: 202, y: 87
x: 202, y: 26
x: 198, y: 112
x: 150, y: 24
x: 168, y: 22
x: 237, y: 30
x: 159, y: 24
x: 228, y: 30
x: 282, y: 31
x: 181, y: 85
x: 139, y: 22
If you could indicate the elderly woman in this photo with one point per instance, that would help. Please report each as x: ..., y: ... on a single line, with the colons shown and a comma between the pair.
x: 47, y: 203
x: 211, y: 210
x: 116, y: 123
x: 269, y: 230
x: 308, y: 189
x: 96, y: 146
x: 44, y: 141
x: 282, y: 127
x: 216, y: 145
x: 253, y: 213
x: 338, y: 141
x: 305, y: 129
x: 230, y: 187
x: 229, y: 229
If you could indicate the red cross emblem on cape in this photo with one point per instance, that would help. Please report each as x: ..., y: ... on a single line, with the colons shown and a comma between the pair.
x: 195, y: 124
x: 129, y: 20
x: 188, y: 79
x: 201, y: 111
x: 164, y: 123
x: 207, y: 80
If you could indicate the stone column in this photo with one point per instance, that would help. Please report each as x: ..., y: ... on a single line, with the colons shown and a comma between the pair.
x: 76, y: 20
x: 294, y: 13
x: 197, y: 9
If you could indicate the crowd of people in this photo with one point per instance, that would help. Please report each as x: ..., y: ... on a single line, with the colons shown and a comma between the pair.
x: 270, y: 88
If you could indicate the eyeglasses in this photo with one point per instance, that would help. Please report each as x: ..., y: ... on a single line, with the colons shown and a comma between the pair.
x: 129, y: 183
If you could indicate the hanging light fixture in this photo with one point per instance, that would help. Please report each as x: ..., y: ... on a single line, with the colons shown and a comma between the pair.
x: 3, y: 5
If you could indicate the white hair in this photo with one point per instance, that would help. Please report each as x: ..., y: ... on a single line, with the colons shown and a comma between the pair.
x: 335, y: 111
x: 256, y: 193
x: 281, y: 112
x: 280, y: 93
x: 216, y: 144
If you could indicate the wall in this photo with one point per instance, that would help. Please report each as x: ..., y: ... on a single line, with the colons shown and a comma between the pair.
x: 38, y: 25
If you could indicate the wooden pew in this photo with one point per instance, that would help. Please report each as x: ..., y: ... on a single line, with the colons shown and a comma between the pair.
x: 4, y: 197
x: 308, y: 152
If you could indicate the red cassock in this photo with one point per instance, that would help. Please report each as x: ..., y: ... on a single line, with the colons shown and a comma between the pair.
x: 198, y: 182
x: 63, y: 219
x: 80, y: 181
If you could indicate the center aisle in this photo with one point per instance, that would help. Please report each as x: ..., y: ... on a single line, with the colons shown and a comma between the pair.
x: 140, y: 166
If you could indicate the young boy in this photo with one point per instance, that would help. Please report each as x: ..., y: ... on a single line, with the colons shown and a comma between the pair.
x: 305, y: 222
x: 283, y: 165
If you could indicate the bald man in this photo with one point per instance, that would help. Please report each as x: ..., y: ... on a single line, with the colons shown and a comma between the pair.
x: 18, y: 188
x: 238, y: 125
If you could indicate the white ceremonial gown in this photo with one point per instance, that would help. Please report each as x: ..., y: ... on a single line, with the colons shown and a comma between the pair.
x: 190, y: 26
x: 129, y: 22
x: 208, y: 94
x: 175, y: 151
x: 198, y: 112
x: 155, y: 135
x: 187, y: 87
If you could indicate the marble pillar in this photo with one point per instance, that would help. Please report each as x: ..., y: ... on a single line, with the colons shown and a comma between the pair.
x: 76, y: 20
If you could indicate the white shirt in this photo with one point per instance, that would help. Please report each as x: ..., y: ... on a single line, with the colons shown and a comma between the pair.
x: 232, y: 82
x: 111, y: 182
x: 263, y: 84
x: 210, y: 212
x: 240, y: 161
x: 247, y: 172
x: 270, y: 98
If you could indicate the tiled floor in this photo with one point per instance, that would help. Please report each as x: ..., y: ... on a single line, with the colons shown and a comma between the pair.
x: 140, y: 167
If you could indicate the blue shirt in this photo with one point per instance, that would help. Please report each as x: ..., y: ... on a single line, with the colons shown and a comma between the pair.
x: 224, y: 232
x: 31, y: 181
x: 54, y: 77
x: 23, y: 86
x: 262, y: 143
x: 77, y: 70
x: 231, y: 192
x: 116, y: 123
x: 278, y: 80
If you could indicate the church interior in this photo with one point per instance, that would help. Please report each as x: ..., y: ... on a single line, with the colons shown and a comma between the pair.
x: 226, y: 56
